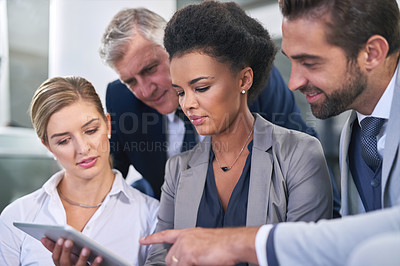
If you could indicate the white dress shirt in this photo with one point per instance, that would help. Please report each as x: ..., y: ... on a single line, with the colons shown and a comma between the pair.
x: 125, y: 216
x: 261, y: 244
x: 382, y: 110
x: 175, y: 134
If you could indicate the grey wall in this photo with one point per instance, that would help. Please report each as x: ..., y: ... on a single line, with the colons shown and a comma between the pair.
x: 28, y: 28
x: 25, y: 164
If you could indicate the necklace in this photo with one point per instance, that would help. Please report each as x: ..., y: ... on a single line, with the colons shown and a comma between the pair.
x: 227, y: 168
x: 75, y: 203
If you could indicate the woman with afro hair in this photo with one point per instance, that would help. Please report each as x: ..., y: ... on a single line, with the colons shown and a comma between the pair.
x: 247, y: 171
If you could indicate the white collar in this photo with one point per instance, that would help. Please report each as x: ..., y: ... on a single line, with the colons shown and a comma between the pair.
x: 119, y: 185
x: 382, y: 108
x: 171, y: 116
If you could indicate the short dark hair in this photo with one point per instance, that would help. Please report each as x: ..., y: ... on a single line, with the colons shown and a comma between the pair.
x: 225, y: 32
x: 350, y: 23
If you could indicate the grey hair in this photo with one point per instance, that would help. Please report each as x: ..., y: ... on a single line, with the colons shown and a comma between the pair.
x: 123, y: 28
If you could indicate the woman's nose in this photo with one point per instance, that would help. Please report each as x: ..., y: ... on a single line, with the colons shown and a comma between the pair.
x: 189, y: 101
x: 82, y: 146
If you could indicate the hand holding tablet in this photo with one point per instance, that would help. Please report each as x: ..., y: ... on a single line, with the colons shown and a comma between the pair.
x: 54, y: 232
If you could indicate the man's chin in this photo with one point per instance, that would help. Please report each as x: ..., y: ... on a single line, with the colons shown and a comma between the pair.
x: 165, y: 109
x: 319, y: 112
x: 323, y: 113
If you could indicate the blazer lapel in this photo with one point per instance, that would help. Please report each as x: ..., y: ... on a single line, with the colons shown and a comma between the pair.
x: 345, y: 138
x: 191, y: 186
x: 392, y: 144
x: 260, y: 173
x: 350, y: 198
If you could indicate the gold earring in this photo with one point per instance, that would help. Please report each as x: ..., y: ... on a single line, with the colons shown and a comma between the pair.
x: 243, y: 91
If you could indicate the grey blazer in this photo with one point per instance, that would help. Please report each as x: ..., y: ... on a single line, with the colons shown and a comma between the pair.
x: 333, y: 242
x: 289, y: 181
x: 351, y: 201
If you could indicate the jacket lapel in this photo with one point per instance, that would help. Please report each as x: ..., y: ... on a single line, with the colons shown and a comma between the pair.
x: 191, y: 186
x: 391, y: 151
x: 350, y: 198
x: 260, y: 173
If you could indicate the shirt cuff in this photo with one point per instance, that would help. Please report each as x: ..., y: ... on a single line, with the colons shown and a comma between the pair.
x: 261, y: 244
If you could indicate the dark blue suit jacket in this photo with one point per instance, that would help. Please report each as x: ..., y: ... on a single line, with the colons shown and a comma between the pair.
x: 139, y: 132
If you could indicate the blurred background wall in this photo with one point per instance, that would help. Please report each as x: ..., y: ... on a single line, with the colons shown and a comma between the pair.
x: 44, y: 38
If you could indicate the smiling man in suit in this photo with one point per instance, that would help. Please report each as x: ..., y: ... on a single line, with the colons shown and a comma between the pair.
x: 349, y: 61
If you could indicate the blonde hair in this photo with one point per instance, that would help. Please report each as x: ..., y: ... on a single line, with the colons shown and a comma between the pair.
x: 57, y: 93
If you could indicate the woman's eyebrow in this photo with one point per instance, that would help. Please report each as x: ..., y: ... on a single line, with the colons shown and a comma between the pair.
x: 65, y: 133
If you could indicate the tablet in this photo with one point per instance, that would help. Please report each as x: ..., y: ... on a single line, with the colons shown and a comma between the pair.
x: 54, y: 232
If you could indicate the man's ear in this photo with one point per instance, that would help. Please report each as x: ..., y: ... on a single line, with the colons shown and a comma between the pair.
x: 246, y: 78
x: 374, y: 52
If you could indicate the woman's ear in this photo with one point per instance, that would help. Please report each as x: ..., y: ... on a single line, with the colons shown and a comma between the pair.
x: 375, y: 52
x: 246, y: 79
x: 108, y: 125
x: 47, y: 146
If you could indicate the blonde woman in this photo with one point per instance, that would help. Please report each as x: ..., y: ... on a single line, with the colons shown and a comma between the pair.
x: 87, y: 194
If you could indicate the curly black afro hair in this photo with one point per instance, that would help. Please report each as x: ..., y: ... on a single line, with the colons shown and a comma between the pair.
x: 225, y: 32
